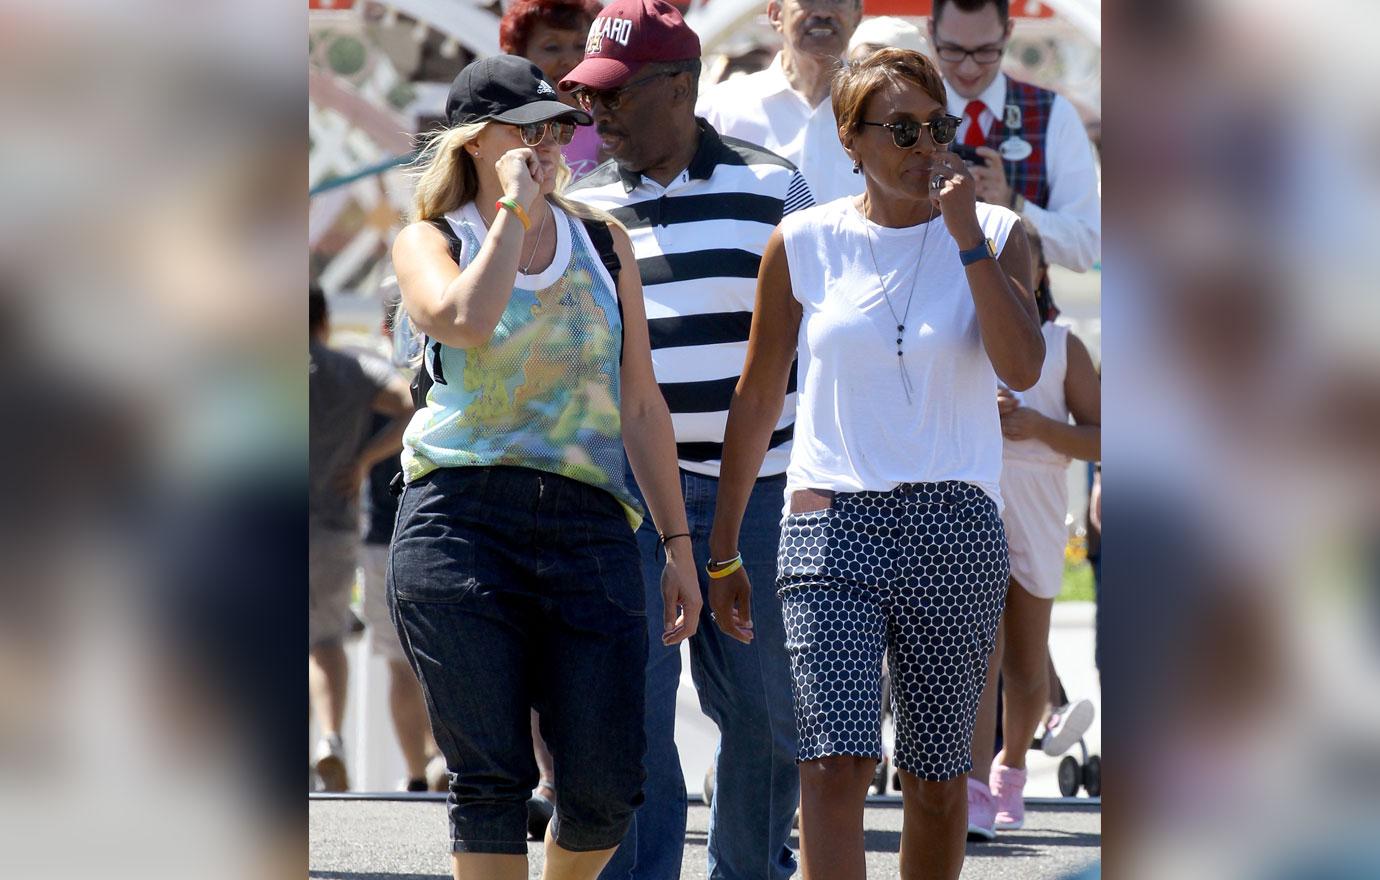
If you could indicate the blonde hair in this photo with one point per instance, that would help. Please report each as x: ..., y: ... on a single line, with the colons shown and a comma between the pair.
x: 449, y: 179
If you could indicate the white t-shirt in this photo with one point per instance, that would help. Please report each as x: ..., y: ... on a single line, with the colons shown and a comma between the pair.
x: 855, y: 429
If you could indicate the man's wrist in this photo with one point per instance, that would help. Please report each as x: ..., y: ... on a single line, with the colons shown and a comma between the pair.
x: 722, y: 551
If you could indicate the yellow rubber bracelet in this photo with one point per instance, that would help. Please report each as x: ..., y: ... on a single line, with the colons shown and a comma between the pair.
x: 512, y: 205
x: 726, y: 570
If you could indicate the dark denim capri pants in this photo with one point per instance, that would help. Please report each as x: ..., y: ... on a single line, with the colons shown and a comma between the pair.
x: 514, y: 589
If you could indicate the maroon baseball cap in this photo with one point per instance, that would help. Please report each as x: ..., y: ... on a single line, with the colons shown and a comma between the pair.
x: 627, y: 36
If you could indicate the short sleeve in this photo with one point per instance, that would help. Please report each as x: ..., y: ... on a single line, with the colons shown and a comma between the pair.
x: 997, y: 223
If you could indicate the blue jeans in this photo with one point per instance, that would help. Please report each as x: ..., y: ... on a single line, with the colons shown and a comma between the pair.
x: 744, y: 689
x: 514, y: 589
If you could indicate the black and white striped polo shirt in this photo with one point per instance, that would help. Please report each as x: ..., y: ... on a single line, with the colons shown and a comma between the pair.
x: 698, y: 243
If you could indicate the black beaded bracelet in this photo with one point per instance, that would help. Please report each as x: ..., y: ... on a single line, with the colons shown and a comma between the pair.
x: 662, y: 540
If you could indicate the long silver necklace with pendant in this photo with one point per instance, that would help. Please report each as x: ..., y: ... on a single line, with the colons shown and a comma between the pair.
x: 901, y: 320
x: 536, y: 247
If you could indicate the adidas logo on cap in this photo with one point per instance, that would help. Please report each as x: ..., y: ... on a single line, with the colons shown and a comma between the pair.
x: 544, y: 88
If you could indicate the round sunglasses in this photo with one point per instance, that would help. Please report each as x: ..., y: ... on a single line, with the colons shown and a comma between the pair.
x: 534, y: 133
x: 907, y: 131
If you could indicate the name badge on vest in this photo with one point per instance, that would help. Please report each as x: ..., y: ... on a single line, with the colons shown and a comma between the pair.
x: 1014, y: 148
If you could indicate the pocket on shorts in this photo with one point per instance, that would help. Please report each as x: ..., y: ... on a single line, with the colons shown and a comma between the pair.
x: 433, y: 557
x: 808, y: 547
x: 991, y: 556
x: 613, y: 552
x: 621, y: 576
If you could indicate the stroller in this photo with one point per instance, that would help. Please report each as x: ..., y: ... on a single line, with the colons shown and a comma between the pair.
x: 1063, y: 731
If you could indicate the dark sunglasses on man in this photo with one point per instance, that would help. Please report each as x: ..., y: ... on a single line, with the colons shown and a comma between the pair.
x: 612, y: 99
x: 905, y: 133
x: 563, y: 130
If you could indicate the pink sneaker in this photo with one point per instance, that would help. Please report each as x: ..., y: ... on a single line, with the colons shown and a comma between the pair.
x: 982, y: 811
x: 1008, y: 788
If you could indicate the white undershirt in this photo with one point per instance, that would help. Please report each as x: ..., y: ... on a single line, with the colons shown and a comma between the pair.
x: 855, y: 429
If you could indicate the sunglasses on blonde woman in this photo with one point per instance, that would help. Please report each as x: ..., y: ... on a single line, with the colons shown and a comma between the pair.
x: 535, y: 132
x: 907, y: 131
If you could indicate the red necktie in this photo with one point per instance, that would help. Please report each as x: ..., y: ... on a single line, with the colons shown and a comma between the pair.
x: 974, y: 136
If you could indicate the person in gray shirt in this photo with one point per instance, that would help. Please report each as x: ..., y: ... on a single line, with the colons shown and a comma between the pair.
x: 346, y: 393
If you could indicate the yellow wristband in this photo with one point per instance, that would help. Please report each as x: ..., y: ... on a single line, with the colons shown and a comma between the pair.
x: 512, y: 205
x: 727, y: 570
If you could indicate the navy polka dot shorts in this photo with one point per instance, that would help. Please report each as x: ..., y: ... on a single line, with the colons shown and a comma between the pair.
x: 919, y: 572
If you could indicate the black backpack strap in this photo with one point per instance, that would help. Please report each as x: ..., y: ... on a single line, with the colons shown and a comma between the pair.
x: 603, y: 243
x: 423, y: 381
x: 443, y: 226
x: 602, y: 239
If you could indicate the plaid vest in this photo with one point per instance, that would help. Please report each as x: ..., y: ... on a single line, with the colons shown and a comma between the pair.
x: 1029, y: 176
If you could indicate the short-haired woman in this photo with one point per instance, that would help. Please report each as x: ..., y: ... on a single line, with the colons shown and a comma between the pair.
x: 514, y: 578
x: 552, y: 35
x: 904, y: 306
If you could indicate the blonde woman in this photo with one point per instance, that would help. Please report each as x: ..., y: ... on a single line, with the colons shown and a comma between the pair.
x: 514, y: 577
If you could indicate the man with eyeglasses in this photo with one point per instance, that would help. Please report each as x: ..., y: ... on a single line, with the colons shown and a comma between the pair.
x: 1026, y: 146
x: 786, y: 108
x: 699, y: 209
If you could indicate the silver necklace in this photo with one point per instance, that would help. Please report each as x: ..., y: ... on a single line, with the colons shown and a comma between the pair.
x: 901, y: 320
x: 536, y: 247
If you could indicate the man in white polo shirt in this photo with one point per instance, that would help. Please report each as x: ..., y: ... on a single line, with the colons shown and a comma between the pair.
x: 1034, y: 153
x: 786, y: 108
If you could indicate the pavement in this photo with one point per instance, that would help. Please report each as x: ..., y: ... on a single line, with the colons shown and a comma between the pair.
x: 360, y: 839
x: 384, y: 836
x: 393, y: 836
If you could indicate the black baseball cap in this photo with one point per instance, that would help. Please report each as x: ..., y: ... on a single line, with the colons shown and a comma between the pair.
x: 506, y: 88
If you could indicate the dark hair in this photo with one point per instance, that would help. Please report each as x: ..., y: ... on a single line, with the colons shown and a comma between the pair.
x: 1003, y: 7
x: 515, y: 28
x: 856, y: 83
x: 316, y: 310
x: 1044, y: 299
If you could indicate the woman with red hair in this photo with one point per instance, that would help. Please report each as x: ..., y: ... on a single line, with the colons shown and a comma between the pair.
x: 552, y: 34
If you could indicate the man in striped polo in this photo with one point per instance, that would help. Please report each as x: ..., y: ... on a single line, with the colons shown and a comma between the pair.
x: 699, y: 209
